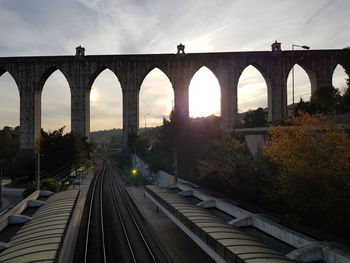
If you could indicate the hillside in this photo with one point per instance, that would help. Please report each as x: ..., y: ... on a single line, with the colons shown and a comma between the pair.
x: 105, y: 136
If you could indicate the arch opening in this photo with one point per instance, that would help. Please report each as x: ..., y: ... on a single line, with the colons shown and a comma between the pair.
x: 9, y: 101
x: 106, y: 103
x: 302, y: 86
x: 204, y: 94
x: 339, y: 79
x: 156, y: 99
x: 56, y: 103
x: 252, y: 96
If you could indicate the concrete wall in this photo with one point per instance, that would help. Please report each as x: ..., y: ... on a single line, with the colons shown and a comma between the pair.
x: 255, y: 143
x: 16, y: 210
x: 160, y: 178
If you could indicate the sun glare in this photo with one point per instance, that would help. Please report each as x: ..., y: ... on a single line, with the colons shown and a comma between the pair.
x: 204, y: 94
x: 93, y: 95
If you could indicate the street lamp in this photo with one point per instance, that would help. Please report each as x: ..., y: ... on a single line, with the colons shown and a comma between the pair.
x: 38, y: 172
x: 146, y: 121
x: 304, y: 47
x: 1, y: 177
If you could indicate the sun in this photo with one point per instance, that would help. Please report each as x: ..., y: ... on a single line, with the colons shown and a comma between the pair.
x: 204, y: 94
x: 93, y: 95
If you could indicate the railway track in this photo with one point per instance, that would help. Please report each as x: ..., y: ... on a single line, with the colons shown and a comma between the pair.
x: 133, y: 233
x: 109, y: 231
x: 95, y: 249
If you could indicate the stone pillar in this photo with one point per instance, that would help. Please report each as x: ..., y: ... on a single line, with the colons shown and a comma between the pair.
x: 324, y: 77
x: 229, y: 110
x: 80, y: 100
x: 277, y: 94
x: 79, y: 76
x: 130, y: 109
x: 80, y: 109
x: 30, y: 117
x: 181, y: 97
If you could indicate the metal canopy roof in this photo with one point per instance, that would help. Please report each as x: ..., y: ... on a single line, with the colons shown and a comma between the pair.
x: 39, y: 240
x: 207, y: 226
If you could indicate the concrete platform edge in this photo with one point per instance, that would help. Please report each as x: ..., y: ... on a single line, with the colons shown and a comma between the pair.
x: 69, y: 243
x: 152, y: 231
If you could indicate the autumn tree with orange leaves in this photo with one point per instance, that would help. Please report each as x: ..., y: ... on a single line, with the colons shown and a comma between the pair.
x: 313, y: 179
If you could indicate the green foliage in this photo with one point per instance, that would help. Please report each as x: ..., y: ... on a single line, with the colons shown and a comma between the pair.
x: 172, y: 132
x: 158, y: 157
x: 191, y: 138
x: 123, y: 158
x: 132, y: 139
x: 229, y: 167
x: 346, y: 99
x: 106, y: 136
x: 48, y: 184
x: 9, y: 143
x: 313, y: 178
x: 327, y: 98
x: 116, y: 140
x: 308, y: 107
x: 136, y: 179
x: 62, y: 150
x: 255, y: 118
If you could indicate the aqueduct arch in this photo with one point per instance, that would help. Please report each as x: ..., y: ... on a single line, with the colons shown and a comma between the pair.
x: 131, y: 70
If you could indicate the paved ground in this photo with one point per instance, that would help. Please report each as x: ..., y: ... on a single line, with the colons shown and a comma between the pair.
x: 179, y: 246
x: 9, y: 196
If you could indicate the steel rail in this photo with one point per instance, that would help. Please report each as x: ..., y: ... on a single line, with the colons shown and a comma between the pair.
x: 101, y: 170
x: 132, y: 216
x: 121, y: 218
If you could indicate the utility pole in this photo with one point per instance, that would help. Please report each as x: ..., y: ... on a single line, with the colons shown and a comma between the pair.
x: 38, y: 172
x: 304, y: 47
x: 146, y: 121
x: 1, y: 176
x: 175, y: 164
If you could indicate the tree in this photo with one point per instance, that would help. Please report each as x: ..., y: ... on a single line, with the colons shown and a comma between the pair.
x: 313, y: 161
x: 9, y: 143
x: 61, y: 150
x: 171, y: 133
x: 327, y: 98
x: 308, y: 107
x: 345, y: 102
x: 228, y: 166
x: 172, y: 136
x: 255, y: 118
x: 116, y: 140
x: 346, y: 99
x: 132, y: 138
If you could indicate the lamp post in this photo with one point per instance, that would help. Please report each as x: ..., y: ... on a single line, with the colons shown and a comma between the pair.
x: 38, y: 172
x: 304, y: 47
x: 146, y: 121
x: 1, y: 177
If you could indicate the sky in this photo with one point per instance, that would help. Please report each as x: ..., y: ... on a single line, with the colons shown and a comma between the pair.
x: 44, y: 28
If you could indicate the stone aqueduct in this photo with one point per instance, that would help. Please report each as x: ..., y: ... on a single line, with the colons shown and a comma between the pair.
x: 30, y: 74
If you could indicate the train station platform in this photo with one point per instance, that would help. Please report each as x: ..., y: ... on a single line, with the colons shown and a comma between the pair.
x: 230, y: 233
x: 222, y: 242
x: 41, y: 236
x: 175, y: 244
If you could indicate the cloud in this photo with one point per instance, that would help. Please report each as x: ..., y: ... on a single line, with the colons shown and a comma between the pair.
x: 41, y: 27
x: 156, y: 98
